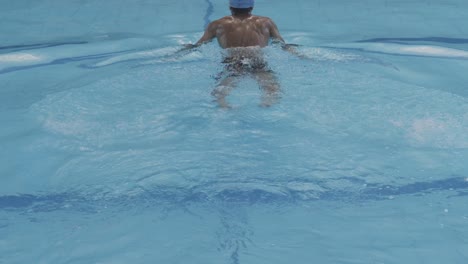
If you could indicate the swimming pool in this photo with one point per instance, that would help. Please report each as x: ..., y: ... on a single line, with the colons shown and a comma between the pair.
x: 113, y: 151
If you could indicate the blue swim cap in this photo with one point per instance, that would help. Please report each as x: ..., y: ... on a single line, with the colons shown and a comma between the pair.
x: 241, y: 3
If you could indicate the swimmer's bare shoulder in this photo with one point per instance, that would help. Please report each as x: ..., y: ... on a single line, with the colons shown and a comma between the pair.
x: 220, y: 21
x: 273, y: 31
x: 219, y: 28
x: 213, y: 29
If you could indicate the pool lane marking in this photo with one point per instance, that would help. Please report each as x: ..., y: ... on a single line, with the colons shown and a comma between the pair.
x: 208, y: 13
x: 458, y: 185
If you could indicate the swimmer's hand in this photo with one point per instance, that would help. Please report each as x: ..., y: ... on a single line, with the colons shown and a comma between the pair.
x: 189, y: 46
x: 186, y: 49
x: 286, y: 46
x: 292, y: 48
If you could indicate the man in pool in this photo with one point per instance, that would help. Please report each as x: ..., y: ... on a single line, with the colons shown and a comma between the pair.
x: 243, y: 35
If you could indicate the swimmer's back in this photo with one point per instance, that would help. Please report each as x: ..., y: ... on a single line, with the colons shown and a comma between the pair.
x: 250, y: 31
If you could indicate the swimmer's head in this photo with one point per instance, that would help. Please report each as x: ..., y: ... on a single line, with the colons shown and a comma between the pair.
x: 241, y: 3
x: 241, y: 6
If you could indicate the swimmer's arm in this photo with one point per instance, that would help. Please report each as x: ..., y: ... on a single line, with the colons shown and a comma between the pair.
x: 277, y: 38
x: 209, y: 35
x: 274, y: 33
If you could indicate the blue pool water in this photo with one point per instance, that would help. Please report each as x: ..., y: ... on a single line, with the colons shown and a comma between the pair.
x: 113, y: 151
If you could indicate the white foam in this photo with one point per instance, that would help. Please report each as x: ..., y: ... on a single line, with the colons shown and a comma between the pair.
x: 435, y: 51
x: 184, y: 38
x: 323, y: 54
x: 443, y: 131
x: 150, y: 54
x: 18, y: 58
x: 50, y: 54
x: 398, y: 49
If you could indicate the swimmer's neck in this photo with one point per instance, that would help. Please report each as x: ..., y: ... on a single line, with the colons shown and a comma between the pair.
x: 241, y: 16
x: 241, y: 48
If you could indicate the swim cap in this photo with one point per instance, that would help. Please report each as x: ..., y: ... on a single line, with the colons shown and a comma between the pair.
x: 241, y: 3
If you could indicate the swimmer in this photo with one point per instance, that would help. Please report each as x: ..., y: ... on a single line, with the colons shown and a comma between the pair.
x: 243, y: 35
